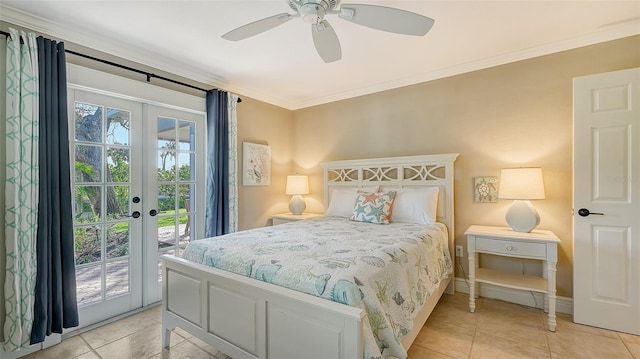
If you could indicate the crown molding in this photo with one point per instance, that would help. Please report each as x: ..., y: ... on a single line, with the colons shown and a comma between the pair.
x: 609, y: 33
x: 164, y: 63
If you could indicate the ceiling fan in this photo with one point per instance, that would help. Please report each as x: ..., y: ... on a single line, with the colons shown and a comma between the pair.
x: 324, y: 37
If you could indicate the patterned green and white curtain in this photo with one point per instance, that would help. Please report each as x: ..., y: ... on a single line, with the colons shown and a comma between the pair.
x: 232, y: 102
x: 21, y: 189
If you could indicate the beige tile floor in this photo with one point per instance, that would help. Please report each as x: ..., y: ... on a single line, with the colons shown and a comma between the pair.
x: 496, y: 330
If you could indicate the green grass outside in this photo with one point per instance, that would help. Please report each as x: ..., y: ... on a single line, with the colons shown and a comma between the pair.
x: 162, y: 221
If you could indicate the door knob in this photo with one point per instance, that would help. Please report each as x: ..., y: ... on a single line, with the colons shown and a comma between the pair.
x: 135, y: 199
x: 135, y: 214
x: 583, y: 212
x: 153, y: 213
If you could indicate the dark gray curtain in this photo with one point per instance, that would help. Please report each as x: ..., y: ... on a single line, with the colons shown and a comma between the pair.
x: 55, y: 299
x: 217, y: 201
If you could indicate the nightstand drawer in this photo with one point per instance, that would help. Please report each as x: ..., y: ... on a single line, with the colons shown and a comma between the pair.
x: 511, y: 248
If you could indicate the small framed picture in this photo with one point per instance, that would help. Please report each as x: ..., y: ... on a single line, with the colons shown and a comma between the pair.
x: 256, y: 164
x: 485, y: 189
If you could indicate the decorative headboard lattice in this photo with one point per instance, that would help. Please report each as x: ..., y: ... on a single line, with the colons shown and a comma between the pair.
x: 398, y: 172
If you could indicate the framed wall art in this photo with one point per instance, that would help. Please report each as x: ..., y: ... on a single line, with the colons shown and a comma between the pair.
x: 485, y: 189
x: 256, y: 164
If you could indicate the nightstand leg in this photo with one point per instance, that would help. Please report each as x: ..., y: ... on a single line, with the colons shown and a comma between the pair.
x: 545, y: 297
x: 472, y: 282
x: 551, y: 281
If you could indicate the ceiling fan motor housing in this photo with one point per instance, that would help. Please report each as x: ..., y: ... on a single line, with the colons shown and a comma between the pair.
x: 312, y: 11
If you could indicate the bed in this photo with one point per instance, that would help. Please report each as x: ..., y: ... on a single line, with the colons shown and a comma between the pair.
x: 249, y: 318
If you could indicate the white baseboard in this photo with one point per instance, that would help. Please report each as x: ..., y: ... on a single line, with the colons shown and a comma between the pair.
x: 563, y: 304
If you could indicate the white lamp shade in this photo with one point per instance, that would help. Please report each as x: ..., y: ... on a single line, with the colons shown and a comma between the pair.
x: 521, y: 183
x: 297, y: 184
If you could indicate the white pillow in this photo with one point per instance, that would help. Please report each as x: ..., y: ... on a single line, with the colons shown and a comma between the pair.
x: 416, y: 205
x: 343, y: 200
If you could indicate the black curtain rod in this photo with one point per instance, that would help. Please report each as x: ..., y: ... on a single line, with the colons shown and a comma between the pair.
x: 147, y: 74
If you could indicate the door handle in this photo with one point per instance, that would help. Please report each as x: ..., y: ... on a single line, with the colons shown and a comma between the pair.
x: 583, y: 212
x: 153, y: 213
x: 135, y: 214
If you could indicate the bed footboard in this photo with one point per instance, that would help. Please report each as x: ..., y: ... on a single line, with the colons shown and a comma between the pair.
x: 246, y: 318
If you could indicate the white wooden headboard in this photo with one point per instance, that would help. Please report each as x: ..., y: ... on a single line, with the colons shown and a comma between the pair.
x: 398, y: 172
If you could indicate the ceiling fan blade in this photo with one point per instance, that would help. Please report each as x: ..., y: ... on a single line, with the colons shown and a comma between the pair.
x: 326, y: 41
x: 387, y: 19
x: 257, y: 27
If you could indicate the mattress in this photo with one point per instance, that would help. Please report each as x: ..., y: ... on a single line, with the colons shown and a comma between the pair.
x: 387, y: 270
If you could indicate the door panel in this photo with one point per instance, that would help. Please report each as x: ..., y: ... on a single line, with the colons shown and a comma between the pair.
x: 607, y: 182
x: 175, y: 188
x: 108, y: 248
x: 611, y: 247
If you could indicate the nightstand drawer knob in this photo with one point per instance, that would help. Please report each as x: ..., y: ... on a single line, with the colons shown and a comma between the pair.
x: 510, y: 248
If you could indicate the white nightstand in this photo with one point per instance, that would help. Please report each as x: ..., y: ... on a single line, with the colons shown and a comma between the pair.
x: 290, y: 217
x: 503, y: 241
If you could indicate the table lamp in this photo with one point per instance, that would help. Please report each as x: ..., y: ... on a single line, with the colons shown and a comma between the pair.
x: 297, y: 185
x: 522, y: 185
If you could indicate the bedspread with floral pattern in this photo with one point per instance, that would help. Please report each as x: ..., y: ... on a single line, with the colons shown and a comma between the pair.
x: 388, y: 270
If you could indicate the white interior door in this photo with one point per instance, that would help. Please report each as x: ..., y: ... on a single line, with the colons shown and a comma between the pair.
x: 607, y: 200
x: 105, y: 151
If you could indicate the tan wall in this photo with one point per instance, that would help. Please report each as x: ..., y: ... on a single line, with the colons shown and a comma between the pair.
x: 264, y: 124
x: 518, y: 114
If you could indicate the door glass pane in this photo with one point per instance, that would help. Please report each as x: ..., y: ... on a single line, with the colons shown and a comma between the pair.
x: 166, y: 165
x: 88, y: 204
x: 118, y: 165
x: 88, y: 165
x: 117, y: 202
x: 117, y: 240
x: 186, y: 162
x: 118, y: 126
x: 90, y: 290
x: 166, y: 231
x: 117, y: 278
x: 167, y: 198
x: 88, y: 122
x: 88, y: 247
x: 184, y: 193
x: 166, y: 133
x: 184, y: 232
x: 187, y: 136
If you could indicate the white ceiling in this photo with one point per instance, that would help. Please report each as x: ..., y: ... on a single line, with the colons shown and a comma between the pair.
x: 281, y: 66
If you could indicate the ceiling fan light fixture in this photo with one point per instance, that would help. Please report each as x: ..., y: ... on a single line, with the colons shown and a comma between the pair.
x: 312, y: 13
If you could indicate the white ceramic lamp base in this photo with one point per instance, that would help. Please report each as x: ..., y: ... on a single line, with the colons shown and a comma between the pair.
x: 522, y: 216
x: 297, y: 204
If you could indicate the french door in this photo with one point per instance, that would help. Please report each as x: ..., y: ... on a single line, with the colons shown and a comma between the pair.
x: 136, y: 189
x: 175, y: 191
